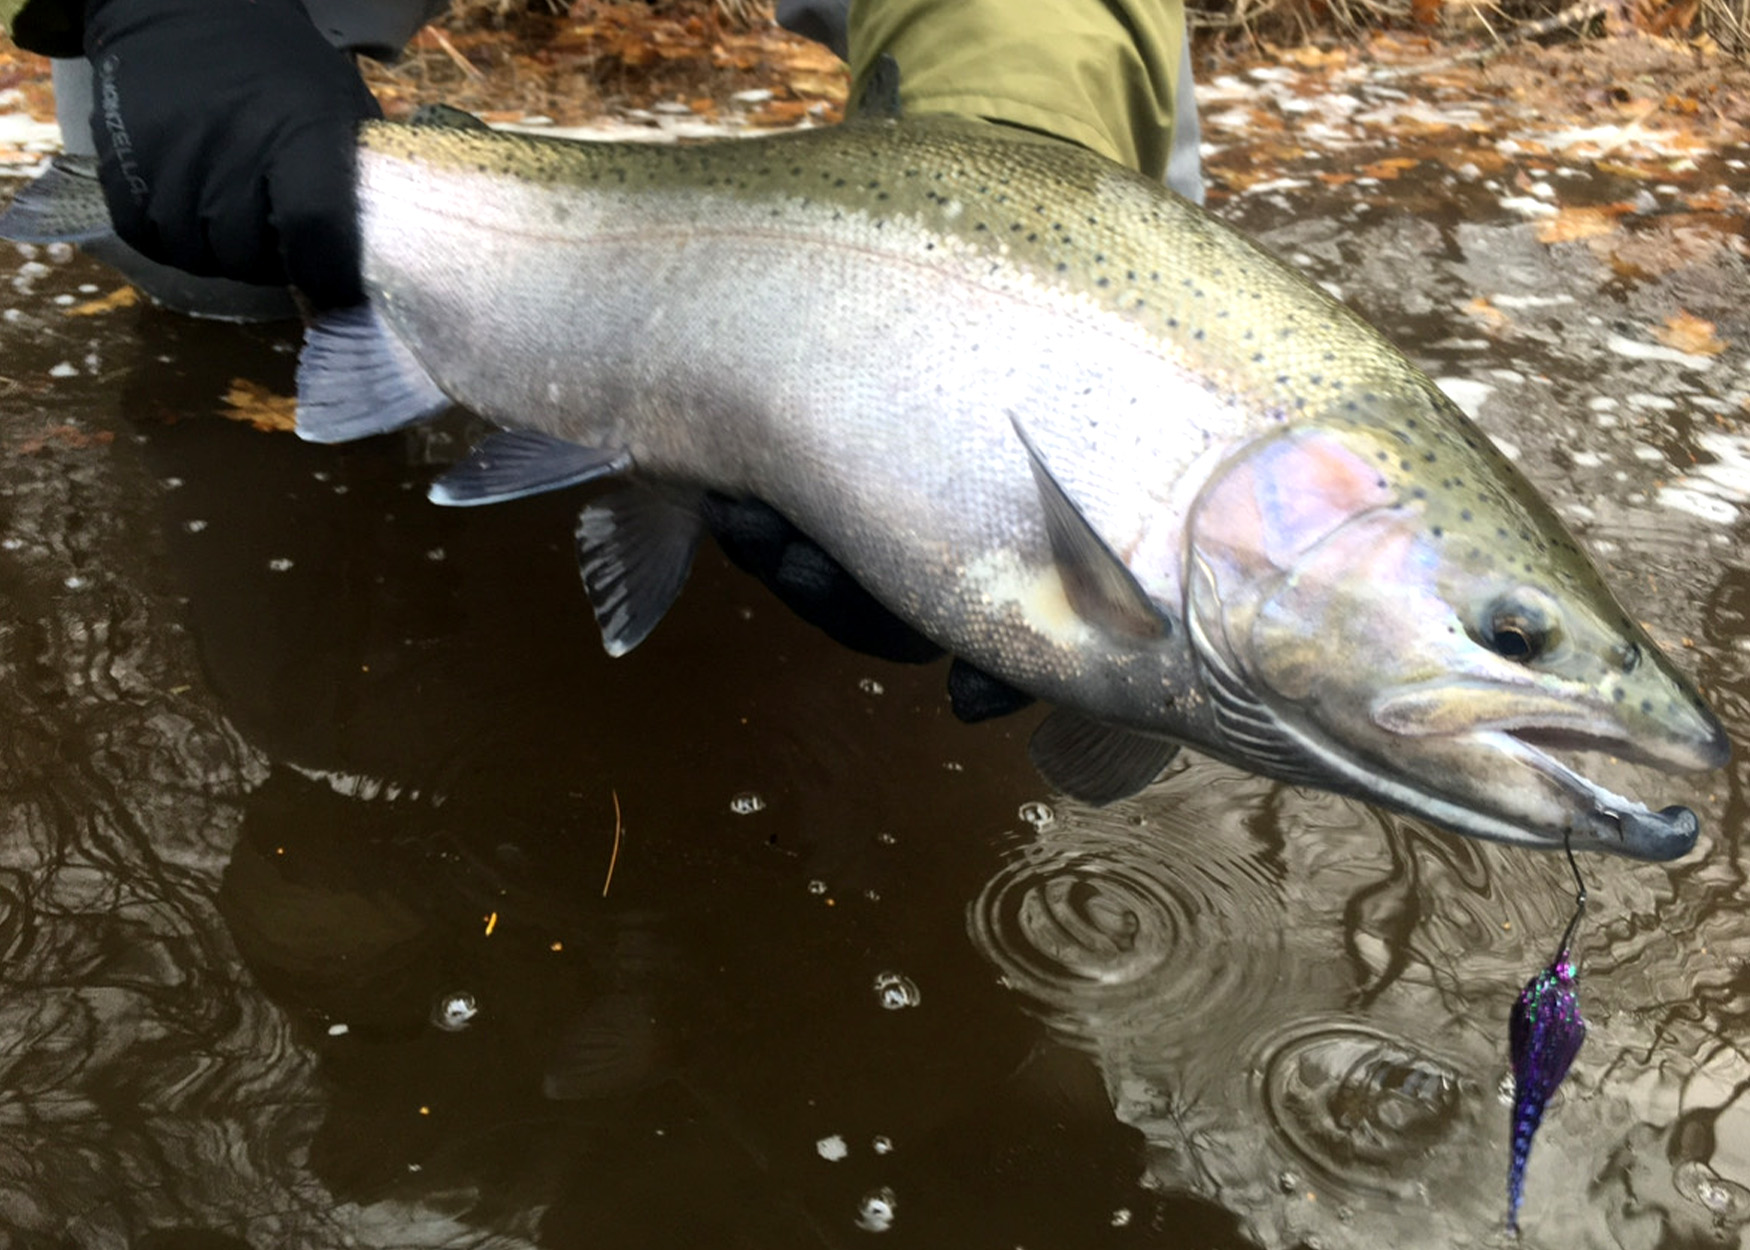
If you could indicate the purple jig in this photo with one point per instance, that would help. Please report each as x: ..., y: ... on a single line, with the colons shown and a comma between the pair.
x: 1544, y: 1033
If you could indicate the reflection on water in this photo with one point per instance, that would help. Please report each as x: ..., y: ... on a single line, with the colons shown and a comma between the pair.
x: 308, y: 936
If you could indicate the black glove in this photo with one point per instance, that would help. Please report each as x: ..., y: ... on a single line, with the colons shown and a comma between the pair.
x: 817, y: 588
x: 225, y: 135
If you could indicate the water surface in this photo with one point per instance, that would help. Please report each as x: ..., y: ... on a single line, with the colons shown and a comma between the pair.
x: 310, y: 939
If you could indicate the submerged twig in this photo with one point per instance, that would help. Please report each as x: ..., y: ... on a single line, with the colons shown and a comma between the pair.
x: 614, y: 856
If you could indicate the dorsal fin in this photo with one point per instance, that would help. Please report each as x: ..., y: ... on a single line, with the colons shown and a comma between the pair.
x: 879, y: 99
x: 1099, y: 587
x: 446, y: 115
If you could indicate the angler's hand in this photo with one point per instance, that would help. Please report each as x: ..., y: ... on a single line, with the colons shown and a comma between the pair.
x: 225, y: 136
x: 818, y: 589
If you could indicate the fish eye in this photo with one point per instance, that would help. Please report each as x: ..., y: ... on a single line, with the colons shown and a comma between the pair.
x: 1516, y: 627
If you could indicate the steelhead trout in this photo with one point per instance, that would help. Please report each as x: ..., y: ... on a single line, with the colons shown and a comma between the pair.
x: 1068, y: 426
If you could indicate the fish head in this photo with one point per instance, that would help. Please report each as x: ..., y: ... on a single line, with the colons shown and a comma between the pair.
x: 1413, y: 624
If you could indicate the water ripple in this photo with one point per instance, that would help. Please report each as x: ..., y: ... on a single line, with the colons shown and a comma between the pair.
x: 1104, y: 916
x: 1365, y: 1110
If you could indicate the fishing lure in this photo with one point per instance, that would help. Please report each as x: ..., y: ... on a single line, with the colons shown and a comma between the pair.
x: 1544, y: 1033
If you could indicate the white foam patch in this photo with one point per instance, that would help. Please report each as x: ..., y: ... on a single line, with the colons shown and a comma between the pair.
x: 1708, y: 507
x: 1468, y: 393
x: 1636, y: 350
x: 1530, y: 301
x: 1714, y: 492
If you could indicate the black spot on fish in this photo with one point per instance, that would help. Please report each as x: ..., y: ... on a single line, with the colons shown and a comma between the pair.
x: 1647, y: 705
x: 1437, y: 532
x: 1464, y: 515
x: 1108, y: 282
x: 1619, y: 694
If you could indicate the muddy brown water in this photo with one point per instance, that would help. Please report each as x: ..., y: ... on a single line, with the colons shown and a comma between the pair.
x: 309, y: 805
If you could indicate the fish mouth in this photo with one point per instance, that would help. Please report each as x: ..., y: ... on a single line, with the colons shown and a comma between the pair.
x: 1609, y: 818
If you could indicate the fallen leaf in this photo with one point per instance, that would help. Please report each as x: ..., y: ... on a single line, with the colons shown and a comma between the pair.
x: 121, y: 297
x: 1493, y: 319
x: 260, y: 407
x: 1390, y: 167
x: 66, y: 436
x: 1570, y: 224
x: 1316, y: 58
x: 1688, y: 333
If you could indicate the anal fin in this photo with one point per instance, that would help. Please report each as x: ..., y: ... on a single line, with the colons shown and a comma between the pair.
x: 635, y: 549
x: 512, y: 464
x: 356, y: 379
x: 1093, y: 762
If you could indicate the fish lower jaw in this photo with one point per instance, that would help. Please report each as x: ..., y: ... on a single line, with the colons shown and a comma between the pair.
x: 1591, y: 817
x: 1604, y: 815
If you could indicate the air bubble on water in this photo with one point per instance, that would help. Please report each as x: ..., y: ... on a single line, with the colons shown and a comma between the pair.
x: 75, y: 582
x: 895, y: 991
x: 953, y: 766
x: 170, y: 483
x: 817, y: 887
x: 454, y: 1012
x: 870, y: 686
x: 88, y: 288
x: 337, y: 1030
x: 279, y: 564
x: 65, y: 301
x: 832, y: 1149
x: 16, y: 544
x: 873, y: 896
x: 1121, y: 1218
x: 435, y: 555
x: 1727, y: 1201
x: 194, y: 525
x: 1039, y: 815
x: 882, y: 1145
x: 32, y: 270
x: 1288, y: 1182
x: 885, y: 838
x: 60, y: 253
x: 876, y: 1209
x: 65, y: 369
x: 747, y: 803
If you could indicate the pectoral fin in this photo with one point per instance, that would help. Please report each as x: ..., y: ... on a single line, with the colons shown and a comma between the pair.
x: 1099, y: 587
x: 513, y: 463
x: 356, y: 379
x: 1093, y: 762
x: 635, y: 549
